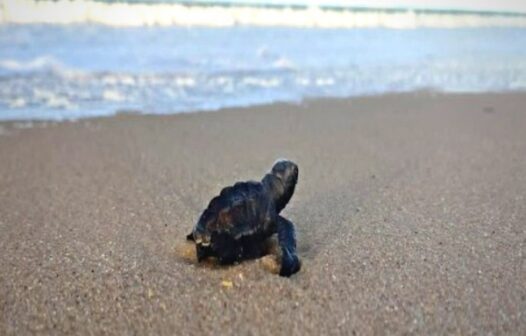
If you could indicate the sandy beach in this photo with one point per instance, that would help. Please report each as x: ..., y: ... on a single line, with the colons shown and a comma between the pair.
x: 410, y: 211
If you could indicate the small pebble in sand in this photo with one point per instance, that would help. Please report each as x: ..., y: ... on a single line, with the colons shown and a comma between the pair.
x: 150, y: 293
x: 227, y: 284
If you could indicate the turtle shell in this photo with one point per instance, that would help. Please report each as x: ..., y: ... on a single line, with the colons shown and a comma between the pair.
x: 241, y: 210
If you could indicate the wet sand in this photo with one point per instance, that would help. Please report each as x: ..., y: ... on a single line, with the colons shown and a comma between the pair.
x: 410, y: 211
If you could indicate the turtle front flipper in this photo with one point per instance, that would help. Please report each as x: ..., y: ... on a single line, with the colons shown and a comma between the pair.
x: 190, y: 236
x: 290, y: 263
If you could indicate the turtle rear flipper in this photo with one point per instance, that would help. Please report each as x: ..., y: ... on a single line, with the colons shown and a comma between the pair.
x: 290, y: 263
x: 203, y: 252
x: 227, y: 249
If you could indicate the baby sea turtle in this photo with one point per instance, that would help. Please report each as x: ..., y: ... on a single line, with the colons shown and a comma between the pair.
x: 236, y: 224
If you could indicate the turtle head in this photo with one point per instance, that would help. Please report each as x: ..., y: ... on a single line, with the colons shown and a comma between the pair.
x: 281, y: 182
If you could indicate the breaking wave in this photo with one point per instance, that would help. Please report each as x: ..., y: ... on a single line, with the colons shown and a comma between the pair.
x: 35, y: 65
x: 58, y: 96
x: 122, y: 14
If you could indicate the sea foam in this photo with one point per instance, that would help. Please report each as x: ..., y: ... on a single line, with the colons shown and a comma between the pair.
x: 214, y: 15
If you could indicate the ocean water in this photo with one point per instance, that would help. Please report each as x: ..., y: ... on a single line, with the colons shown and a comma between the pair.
x: 95, y: 62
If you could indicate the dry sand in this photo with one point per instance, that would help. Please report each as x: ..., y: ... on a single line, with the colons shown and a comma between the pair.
x: 410, y: 211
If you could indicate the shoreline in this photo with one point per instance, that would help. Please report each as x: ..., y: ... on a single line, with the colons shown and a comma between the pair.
x: 409, y: 210
x: 25, y: 123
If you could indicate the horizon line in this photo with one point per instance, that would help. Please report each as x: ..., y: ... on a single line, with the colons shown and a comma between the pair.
x: 328, y: 7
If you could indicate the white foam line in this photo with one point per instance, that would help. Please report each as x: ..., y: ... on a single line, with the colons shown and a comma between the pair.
x: 123, y: 14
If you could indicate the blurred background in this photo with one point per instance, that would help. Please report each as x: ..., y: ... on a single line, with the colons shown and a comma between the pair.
x: 72, y: 59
